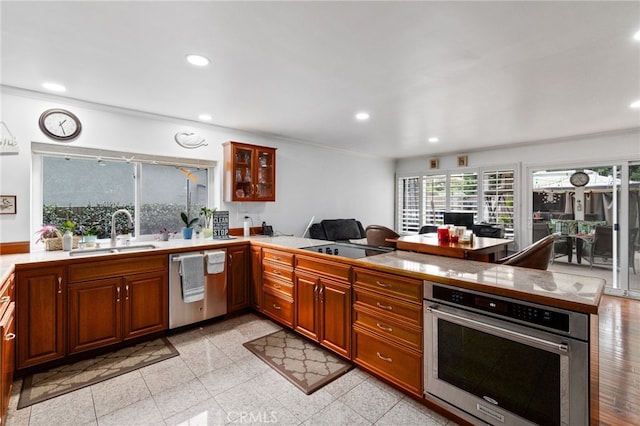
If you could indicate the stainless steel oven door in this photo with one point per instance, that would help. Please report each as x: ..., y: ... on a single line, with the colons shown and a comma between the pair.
x: 504, y: 373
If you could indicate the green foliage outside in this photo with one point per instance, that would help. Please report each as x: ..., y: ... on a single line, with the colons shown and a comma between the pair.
x: 154, y: 217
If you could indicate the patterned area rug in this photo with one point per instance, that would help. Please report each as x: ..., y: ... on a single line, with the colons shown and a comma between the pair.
x: 67, y: 378
x: 303, y: 363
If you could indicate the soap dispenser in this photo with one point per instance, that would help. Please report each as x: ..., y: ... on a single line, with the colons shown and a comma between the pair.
x: 246, y: 226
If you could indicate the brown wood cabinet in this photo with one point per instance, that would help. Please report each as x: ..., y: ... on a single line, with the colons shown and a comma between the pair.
x: 277, y: 286
x: 387, y: 327
x: 117, y: 303
x: 237, y: 278
x: 41, y: 303
x: 323, y: 303
x: 7, y: 343
x: 249, y: 172
x: 255, y: 287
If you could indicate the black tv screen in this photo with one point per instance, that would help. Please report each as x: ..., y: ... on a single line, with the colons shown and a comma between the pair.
x: 459, y: 219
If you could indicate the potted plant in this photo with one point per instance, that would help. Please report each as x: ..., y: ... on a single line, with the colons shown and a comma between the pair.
x: 164, y: 234
x: 90, y: 233
x: 207, y: 213
x: 51, y: 237
x: 187, y: 231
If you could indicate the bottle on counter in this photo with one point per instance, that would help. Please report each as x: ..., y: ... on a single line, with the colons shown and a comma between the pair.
x: 246, y: 228
x: 67, y: 241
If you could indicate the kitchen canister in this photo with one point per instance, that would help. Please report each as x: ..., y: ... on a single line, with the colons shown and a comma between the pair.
x: 67, y: 241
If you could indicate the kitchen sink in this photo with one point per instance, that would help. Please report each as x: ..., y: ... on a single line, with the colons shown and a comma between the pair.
x: 106, y: 250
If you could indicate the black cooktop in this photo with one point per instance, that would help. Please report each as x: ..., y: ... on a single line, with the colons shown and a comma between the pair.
x: 350, y: 250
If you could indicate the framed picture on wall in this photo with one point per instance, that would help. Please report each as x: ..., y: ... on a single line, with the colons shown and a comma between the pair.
x: 434, y: 163
x: 462, y: 161
x: 8, y: 204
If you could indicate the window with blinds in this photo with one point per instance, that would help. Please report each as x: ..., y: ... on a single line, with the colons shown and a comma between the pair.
x: 435, y: 199
x: 498, y: 198
x: 463, y: 193
x: 408, y: 207
x: 422, y: 199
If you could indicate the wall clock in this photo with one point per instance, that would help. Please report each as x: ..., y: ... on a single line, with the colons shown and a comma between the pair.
x: 60, y: 124
x: 579, y: 179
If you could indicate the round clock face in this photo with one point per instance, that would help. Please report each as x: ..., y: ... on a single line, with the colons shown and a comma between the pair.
x: 579, y: 179
x: 60, y: 124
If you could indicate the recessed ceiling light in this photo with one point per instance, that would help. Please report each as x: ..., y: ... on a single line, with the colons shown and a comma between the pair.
x: 433, y: 139
x: 636, y: 36
x: 636, y: 104
x: 205, y: 117
x: 54, y: 87
x: 362, y: 116
x: 198, y: 60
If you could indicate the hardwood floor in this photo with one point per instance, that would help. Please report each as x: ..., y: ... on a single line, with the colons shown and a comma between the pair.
x: 619, y: 361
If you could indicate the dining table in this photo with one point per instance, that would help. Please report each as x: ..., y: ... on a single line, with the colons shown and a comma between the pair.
x: 484, y: 249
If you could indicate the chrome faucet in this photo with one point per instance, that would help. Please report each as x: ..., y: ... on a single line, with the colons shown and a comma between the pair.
x: 113, y: 224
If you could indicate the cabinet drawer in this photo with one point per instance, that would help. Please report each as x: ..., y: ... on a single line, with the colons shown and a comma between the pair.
x: 401, y: 366
x: 389, y: 306
x: 277, y: 286
x: 117, y: 267
x: 278, y: 271
x: 277, y: 256
x: 278, y: 308
x: 398, y: 332
x: 333, y: 270
x: 390, y: 285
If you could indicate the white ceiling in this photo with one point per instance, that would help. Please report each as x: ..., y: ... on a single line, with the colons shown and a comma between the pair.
x: 475, y: 74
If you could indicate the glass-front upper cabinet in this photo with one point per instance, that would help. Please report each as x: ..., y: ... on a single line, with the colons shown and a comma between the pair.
x: 250, y: 172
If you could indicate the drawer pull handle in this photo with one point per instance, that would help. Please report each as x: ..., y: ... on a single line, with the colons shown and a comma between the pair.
x: 387, y: 307
x: 276, y: 307
x: 383, y: 285
x: 384, y: 358
x: 276, y: 257
x: 276, y: 272
x: 276, y: 286
x: 4, y: 299
x: 10, y: 336
x: 59, y: 285
x: 382, y: 327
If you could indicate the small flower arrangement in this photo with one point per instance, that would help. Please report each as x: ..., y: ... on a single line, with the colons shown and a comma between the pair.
x: 47, y: 232
x: 164, y: 234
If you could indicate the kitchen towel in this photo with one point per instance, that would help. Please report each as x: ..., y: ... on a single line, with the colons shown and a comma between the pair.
x: 215, y: 261
x: 192, y: 277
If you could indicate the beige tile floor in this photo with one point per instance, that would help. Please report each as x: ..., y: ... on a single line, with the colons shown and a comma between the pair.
x: 216, y: 381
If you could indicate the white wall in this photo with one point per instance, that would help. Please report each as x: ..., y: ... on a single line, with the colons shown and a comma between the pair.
x: 310, y: 181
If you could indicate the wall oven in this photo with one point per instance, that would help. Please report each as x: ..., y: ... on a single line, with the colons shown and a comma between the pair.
x: 506, y: 361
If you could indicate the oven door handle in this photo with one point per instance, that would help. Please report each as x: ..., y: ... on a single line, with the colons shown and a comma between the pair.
x: 562, y: 347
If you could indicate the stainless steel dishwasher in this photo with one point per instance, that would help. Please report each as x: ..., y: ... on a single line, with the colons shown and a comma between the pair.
x: 215, y: 290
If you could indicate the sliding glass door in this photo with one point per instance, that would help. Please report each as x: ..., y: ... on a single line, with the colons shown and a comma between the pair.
x: 594, y: 212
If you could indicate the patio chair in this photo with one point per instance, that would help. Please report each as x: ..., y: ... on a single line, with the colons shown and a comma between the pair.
x: 600, y: 247
x: 561, y: 244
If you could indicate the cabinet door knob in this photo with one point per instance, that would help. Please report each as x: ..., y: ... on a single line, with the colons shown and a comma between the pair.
x: 384, y: 358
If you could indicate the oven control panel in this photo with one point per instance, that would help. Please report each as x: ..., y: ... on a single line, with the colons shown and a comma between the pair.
x: 504, y: 308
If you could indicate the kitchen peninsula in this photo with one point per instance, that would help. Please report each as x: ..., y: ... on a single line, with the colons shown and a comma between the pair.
x: 373, y: 284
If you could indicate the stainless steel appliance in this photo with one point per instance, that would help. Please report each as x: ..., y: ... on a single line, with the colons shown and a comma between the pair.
x: 215, y: 293
x: 351, y: 250
x: 505, y: 361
